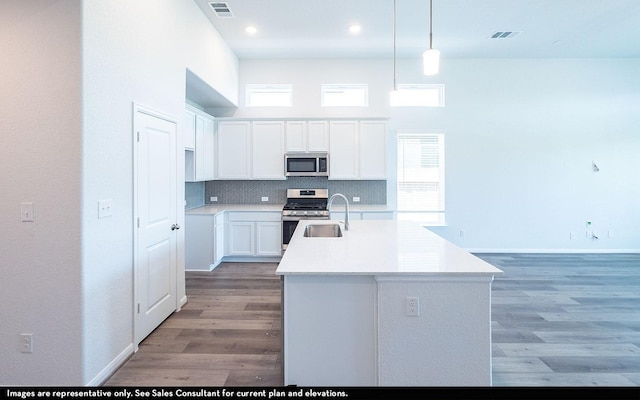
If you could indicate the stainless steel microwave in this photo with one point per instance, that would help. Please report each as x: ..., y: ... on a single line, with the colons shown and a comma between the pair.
x: 306, y: 164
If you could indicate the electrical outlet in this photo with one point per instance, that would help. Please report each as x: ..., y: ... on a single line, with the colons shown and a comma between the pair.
x: 26, y: 212
x: 412, y: 306
x: 461, y: 233
x: 264, y: 198
x: 572, y: 235
x: 26, y: 342
x: 356, y: 199
x: 213, y: 199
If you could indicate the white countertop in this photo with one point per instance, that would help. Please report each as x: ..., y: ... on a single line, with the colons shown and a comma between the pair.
x: 379, y: 248
x: 212, y: 209
x: 209, y: 209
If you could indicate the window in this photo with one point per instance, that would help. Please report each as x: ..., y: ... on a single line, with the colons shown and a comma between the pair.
x: 344, y: 95
x: 414, y: 95
x: 271, y: 95
x: 420, y: 191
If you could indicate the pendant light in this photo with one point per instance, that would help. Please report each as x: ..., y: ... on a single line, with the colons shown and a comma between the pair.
x: 431, y: 57
x: 394, y: 94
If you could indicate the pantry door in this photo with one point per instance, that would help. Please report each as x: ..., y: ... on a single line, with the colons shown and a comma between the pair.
x: 155, y: 290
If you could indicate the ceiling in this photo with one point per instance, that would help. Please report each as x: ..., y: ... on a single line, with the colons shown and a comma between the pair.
x: 461, y: 28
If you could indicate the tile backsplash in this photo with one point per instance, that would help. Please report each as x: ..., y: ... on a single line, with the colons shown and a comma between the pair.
x: 251, y: 192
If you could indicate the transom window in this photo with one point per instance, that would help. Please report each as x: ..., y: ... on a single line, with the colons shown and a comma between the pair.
x: 352, y: 95
x: 419, y: 95
x: 269, y: 95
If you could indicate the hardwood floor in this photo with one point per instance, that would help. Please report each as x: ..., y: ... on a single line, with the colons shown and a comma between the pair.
x: 228, y: 334
x: 557, y: 320
x: 566, y: 320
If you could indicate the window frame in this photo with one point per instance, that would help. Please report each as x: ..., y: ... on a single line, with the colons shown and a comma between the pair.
x: 326, y: 87
x: 429, y: 216
x: 251, y: 88
x: 416, y: 87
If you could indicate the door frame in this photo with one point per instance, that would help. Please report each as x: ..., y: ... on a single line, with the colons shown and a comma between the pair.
x: 137, y: 108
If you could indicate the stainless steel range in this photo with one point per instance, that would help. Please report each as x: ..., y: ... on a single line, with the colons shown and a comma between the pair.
x: 302, y: 204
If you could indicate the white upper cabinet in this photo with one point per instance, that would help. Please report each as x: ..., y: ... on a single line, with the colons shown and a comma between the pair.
x: 199, y: 146
x: 307, y: 136
x: 250, y: 150
x: 267, y: 142
x: 343, y: 150
x: 189, y: 130
x: 358, y: 150
x: 373, y: 150
x: 234, y: 150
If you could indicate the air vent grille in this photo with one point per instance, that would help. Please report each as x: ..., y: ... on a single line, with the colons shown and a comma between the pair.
x: 221, y: 10
x: 504, y: 35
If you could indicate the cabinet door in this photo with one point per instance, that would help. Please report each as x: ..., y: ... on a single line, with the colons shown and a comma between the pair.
x: 268, y: 150
x: 205, y: 152
x: 318, y: 136
x: 373, y: 150
x: 241, y: 238
x: 189, y: 130
x: 343, y: 153
x: 269, y: 238
x: 233, y: 156
x: 296, y: 135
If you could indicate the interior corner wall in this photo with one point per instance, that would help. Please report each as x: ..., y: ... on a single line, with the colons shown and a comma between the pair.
x: 133, y: 51
x: 521, y: 136
x: 40, y: 163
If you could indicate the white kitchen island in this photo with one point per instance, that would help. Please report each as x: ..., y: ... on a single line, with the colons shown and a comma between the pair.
x: 347, y: 313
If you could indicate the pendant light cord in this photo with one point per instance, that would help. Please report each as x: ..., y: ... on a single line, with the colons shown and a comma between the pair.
x: 430, y: 24
x: 395, y: 85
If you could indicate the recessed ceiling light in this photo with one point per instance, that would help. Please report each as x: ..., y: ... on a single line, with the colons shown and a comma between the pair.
x: 251, y: 30
x: 355, y: 29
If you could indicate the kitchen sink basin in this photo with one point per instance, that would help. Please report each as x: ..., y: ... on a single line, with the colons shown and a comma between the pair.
x: 323, y: 230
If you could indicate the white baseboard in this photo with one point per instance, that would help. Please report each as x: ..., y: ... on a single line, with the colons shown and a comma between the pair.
x: 556, y: 251
x: 112, y: 367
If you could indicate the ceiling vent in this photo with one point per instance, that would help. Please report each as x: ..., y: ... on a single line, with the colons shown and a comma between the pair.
x: 504, y: 35
x: 221, y: 10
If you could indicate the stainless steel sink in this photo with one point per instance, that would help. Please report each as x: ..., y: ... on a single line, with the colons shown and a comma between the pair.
x: 322, y: 230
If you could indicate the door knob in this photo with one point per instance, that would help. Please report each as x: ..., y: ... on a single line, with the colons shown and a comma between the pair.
x: 174, y: 227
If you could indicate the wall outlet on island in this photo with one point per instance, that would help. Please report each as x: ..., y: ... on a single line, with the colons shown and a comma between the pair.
x: 264, y: 198
x: 412, y: 306
x: 356, y: 199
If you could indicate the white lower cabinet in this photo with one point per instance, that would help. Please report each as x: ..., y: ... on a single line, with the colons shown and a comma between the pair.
x: 255, y: 234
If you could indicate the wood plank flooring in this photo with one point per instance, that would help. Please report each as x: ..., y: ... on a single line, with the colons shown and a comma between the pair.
x: 557, y: 320
x: 228, y: 334
x: 566, y: 319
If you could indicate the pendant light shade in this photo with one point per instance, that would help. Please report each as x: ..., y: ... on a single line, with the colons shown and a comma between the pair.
x: 431, y: 61
x: 431, y: 57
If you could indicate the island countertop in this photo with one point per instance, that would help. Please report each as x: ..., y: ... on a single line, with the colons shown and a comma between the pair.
x: 379, y: 247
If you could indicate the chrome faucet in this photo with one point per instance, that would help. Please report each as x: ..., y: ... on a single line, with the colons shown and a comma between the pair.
x: 346, y: 202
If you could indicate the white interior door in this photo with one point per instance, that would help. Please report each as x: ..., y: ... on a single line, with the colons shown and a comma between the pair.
x: 156, y: 222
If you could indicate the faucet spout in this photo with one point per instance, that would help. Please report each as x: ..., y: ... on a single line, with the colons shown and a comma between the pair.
x: 346, y: 204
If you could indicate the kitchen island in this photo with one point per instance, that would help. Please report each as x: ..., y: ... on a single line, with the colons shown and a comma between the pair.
x: 389, y: 303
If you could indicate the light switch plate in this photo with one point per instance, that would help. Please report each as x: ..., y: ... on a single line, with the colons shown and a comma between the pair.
x: 105, y: 208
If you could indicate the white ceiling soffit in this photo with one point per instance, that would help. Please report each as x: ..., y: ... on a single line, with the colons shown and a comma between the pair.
x: 461, y: 28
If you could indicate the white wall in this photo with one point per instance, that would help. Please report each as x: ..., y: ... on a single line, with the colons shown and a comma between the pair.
x: 521, y: 136
x: 74, y: 69
x: 40, y: 126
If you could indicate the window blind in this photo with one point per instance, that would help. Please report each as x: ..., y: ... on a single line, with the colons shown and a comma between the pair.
x: 420, y: 172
